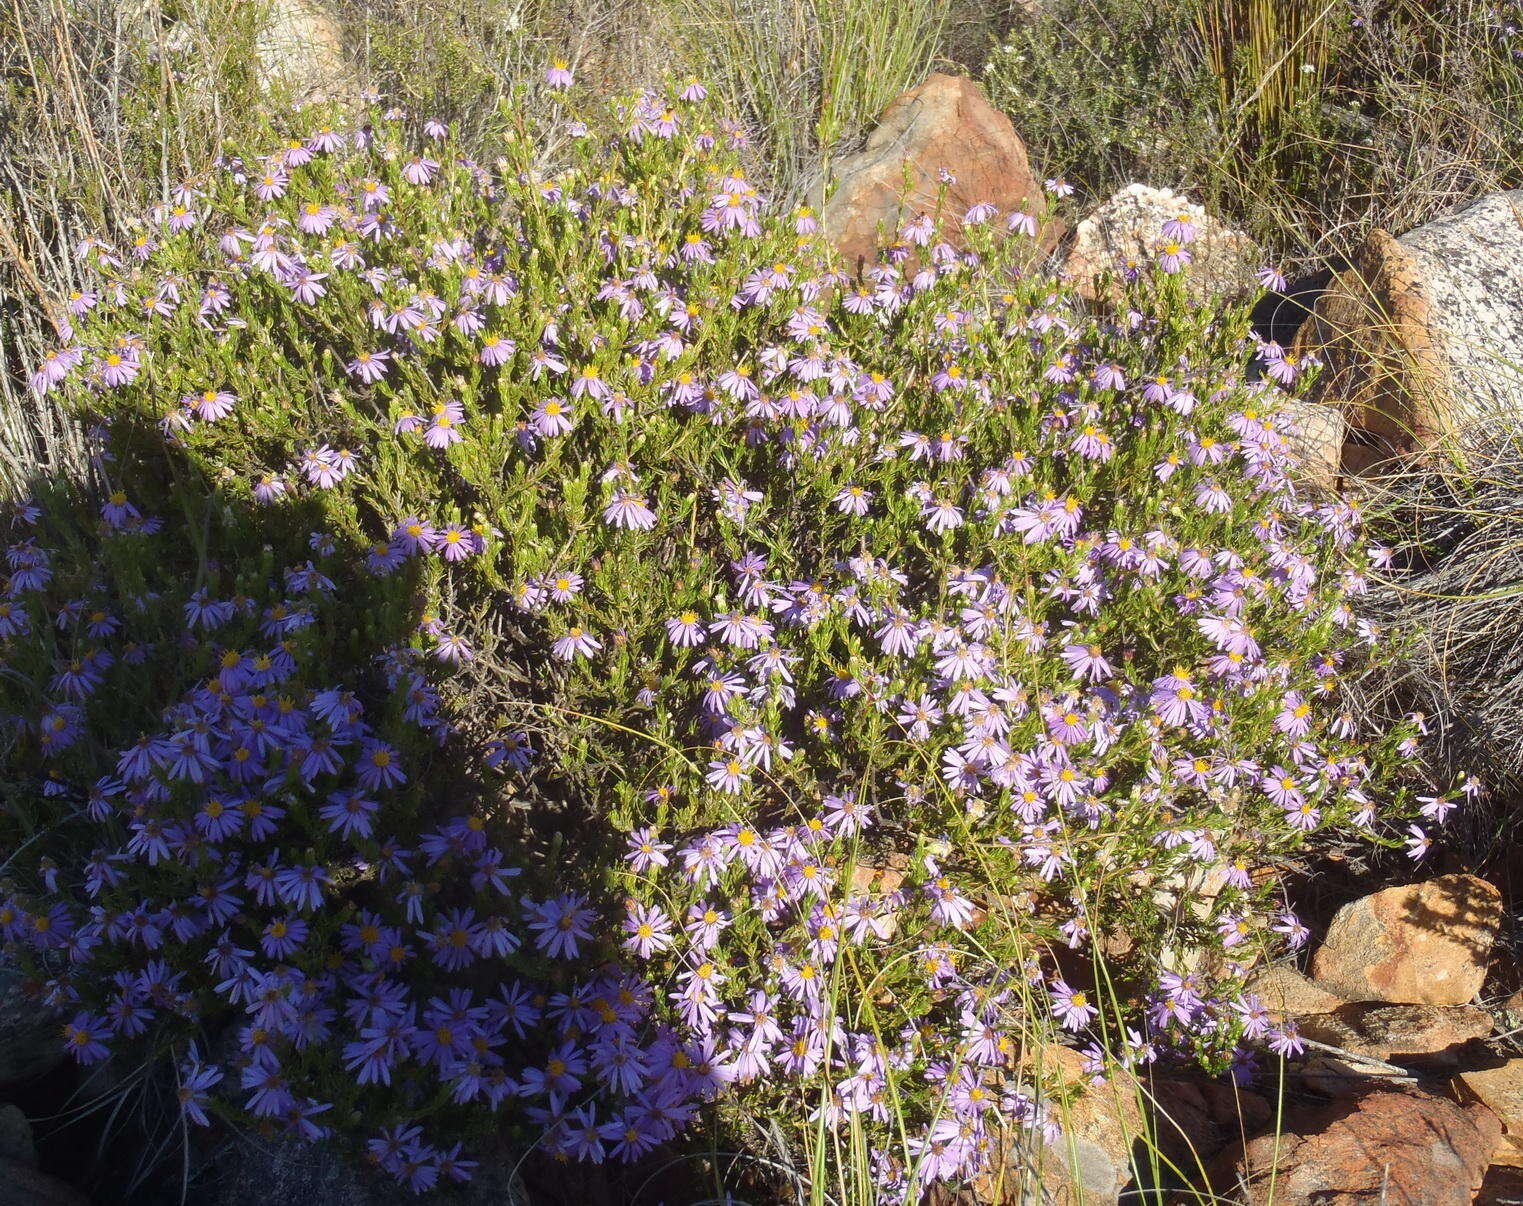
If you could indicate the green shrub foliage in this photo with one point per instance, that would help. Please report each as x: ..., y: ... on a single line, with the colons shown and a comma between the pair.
x: 557, y: 650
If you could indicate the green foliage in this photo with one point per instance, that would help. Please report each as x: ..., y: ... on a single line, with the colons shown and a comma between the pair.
x: 1106, y: 91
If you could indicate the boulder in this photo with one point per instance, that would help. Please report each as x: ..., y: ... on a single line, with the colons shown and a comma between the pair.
x: 945, y: 123
x: 1500, y: 1089
x: 1387, y: 1147
x: 1421, y: 337
x: 1288, y: 993
x: 16, y: 1136
x: 1414, y: 1036
x: 1420, y: 944
x: 1127, y: 230
x: 31, y: 1044
x: 299, y: 50
x: 23, y: 1185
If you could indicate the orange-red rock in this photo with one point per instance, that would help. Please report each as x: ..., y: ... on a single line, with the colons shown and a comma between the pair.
x: 1288, y: 993
x: 1421, y: 1039
x: 1421, y: 944
x: 1192, y: 1121
x: 1500, y: 1089
x: 1385, y: 1148
x: 1414, y: 1036
x: 945, y: 123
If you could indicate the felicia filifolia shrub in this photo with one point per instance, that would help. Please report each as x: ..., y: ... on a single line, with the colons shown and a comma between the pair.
x: 895, y: 639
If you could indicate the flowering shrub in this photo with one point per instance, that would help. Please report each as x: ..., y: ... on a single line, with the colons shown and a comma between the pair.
x: 885, y: 641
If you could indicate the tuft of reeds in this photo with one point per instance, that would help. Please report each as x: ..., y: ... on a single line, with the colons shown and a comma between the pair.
x: 1268, y: 60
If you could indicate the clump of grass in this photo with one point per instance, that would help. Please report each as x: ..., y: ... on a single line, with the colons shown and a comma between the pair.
x: 807, y: 75
x: 1269, y: 62
x: 1454, y: 594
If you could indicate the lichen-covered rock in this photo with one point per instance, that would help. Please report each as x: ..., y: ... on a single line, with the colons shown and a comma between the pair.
x: 246, y: 1170
x: 299, y: 48
x: 1388, y: 1147
x: 1092, y: 1159
x: 1414, y: 1038
x: 23, y: 1185
x: 16, y: 1136
x: 1127, y: 230
x: 946, y: 123
x: 1317, y: 435
x: 1422, y: 336
x: 1420, y: 944
x: 1090, y: 1162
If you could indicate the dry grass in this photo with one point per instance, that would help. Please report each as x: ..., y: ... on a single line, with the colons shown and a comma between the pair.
x: 1455, y: 601
x: 119, y: 101
x: 1407, y: 109
x: 116, y: 102
x: 1268, y: 59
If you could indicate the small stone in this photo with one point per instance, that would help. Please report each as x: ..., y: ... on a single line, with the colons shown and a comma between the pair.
x: 1127, y: 230
x: 1388, y: 1146
x: 1500, y: 1089
x: 16, y: 1137
x: 945, y: 123
x: 1316, y: 438
x: 1422, y: 944
x: 22, y: 1185
x: 1288, y: 993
